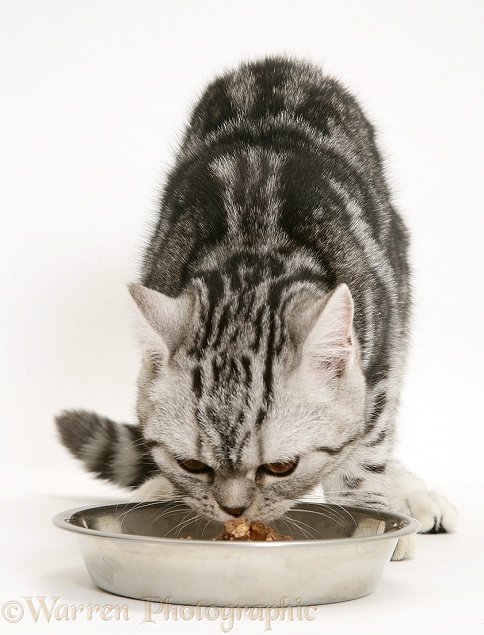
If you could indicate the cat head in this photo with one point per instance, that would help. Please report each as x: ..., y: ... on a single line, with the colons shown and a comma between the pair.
x: 246, y: 400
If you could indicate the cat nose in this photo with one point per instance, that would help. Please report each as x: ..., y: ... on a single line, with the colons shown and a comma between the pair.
x: 234, y: 511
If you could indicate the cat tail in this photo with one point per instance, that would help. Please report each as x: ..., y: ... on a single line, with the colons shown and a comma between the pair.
x: 112, y: 451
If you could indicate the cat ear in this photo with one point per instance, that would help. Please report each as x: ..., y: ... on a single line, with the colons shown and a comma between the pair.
x: 167, y: 317
x: 328, y: 345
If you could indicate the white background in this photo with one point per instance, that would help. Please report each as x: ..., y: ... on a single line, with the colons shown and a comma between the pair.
x: 94, y: 97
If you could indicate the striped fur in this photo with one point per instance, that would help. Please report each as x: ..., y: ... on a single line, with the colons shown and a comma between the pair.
x: 275, y: 298
x: 112, y: 451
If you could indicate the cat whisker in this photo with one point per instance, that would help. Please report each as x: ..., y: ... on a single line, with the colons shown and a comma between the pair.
x: 137, y: 443
x: 324, y: 505
x: 121, y: 517
x: 338, y: 517
x: 207, y: 523
x: 182, y: 524
x: 142, y: 504
x: 292, y: 522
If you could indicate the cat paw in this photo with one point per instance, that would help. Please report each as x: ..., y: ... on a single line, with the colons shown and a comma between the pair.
x: 434, y: 513
x: 432, y: 510
x: 405, y: 548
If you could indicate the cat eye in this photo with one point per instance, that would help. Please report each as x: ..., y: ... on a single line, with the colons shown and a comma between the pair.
x: 195, y: 467
x: 283, y: 468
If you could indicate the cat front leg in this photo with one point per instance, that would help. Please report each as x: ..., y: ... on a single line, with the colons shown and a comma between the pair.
x: 395, y: 489
x: 157, y: 488
x: 356, y: 489
x: 408, y: 494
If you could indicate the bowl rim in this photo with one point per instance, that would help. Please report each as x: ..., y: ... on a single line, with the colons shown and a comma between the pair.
x: 411, y: 526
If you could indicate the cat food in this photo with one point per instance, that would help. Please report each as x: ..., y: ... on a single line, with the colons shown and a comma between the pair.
x: 242, y: 529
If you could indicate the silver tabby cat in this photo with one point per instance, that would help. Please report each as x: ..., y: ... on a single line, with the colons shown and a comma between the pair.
x: 275, y: 303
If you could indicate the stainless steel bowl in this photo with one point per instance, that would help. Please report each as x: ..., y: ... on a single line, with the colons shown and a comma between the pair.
x: 134, y: 550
